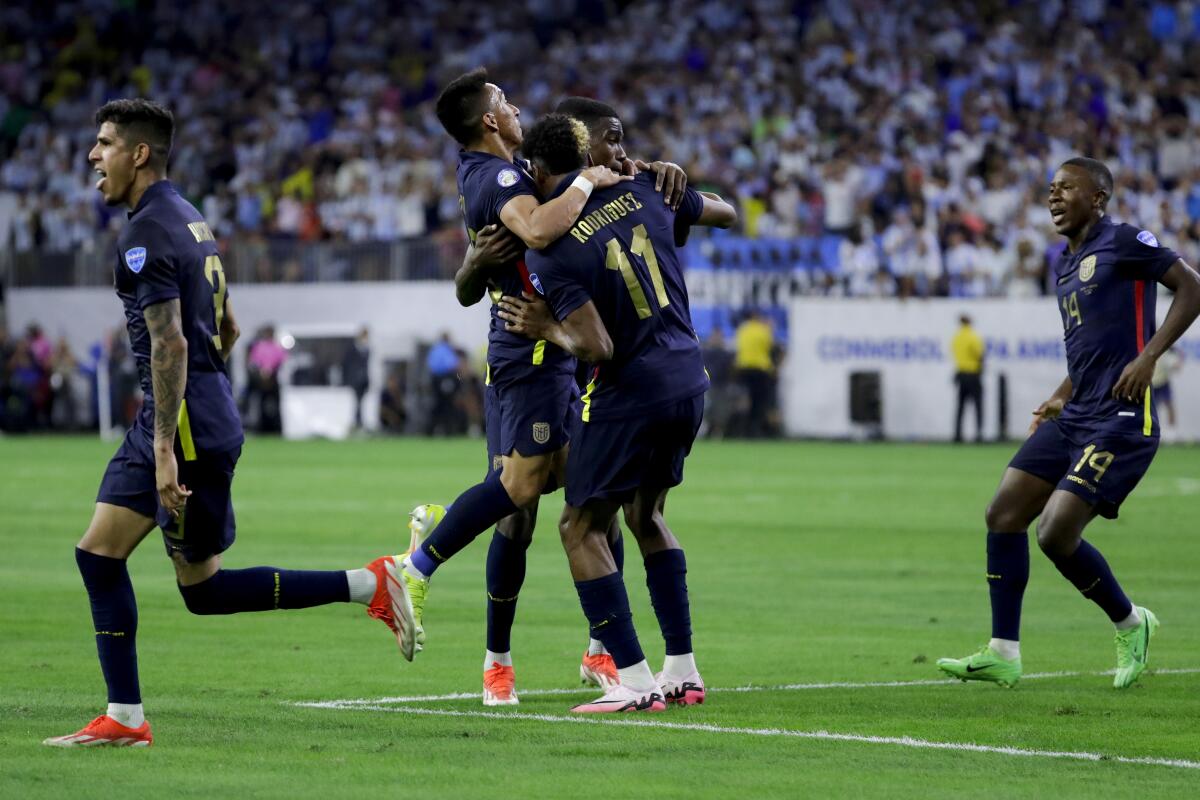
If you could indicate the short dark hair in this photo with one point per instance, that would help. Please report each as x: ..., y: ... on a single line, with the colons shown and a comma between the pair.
x: 557, y: 142
x: 461, y: 104
x: 586, y: 110
x: 1099, y: 173
x: 139, y: 120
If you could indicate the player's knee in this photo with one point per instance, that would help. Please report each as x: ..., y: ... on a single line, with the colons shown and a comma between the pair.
x: 523, y: 489
x: 201, y: 598
x: 1002, y: 517
x: 1055, y: 538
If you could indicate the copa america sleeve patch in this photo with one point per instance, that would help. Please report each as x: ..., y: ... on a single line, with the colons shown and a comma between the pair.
x: 536, y: 282
x: 1147, y: 238
x: 507, y: 177
x: 135, y: 259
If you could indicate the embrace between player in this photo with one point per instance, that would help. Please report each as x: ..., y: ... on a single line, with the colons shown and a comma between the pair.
x: 532, y: 402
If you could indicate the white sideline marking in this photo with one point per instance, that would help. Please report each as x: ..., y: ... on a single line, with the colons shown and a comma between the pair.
x: 787, y: 687
x: 900, y: 741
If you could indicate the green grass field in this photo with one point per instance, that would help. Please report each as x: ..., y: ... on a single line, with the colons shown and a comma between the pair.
x: 809, y: 564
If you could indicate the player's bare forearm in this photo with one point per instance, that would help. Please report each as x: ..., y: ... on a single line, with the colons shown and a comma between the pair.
x: 1185, y: 307
x: 582, y: 333
x: 539, y: 225
x: 716, y: 213
x: 168, y: 369
x: 230, y: 331
x: 470, y: 284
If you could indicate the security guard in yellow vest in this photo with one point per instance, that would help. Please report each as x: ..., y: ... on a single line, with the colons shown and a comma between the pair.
x: 967, y: 348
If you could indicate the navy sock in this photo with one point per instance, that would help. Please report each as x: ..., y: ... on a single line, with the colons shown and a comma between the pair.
x: 505, y: 575
x: 606, y: 606
x: 1007, y: 576
x: 666, y: 578
x: 475, y: 510
x: 232, y: 591
x: 115, y: 617
x: 1087, y: 570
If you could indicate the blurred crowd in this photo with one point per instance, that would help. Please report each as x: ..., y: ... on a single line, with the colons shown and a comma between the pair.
x: 920, y: 135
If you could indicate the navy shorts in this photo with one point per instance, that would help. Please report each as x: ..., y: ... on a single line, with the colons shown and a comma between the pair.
x: 612, y: 459
x: 206, y: 526
x: 1102, y: 467
x: 531, y: 417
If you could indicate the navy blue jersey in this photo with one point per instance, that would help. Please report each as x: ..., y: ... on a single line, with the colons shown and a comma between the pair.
x: 485, y: 184
x: 166, y: 252
x: 621, y: 255
x: 1106, y: 293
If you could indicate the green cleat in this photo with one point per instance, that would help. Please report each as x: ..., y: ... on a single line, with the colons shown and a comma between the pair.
x: 1133, y: 649
x: 986, y: 665
x: 421, y: 523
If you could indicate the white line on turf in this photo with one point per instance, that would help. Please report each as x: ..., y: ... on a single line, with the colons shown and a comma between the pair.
x: 787, y: 687
x: 900, y: 741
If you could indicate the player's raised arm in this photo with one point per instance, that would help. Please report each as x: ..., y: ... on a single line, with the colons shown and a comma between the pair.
x: 1185, y: 307
x: 168, y: 373
x: 537, y: 225
x: 494, y: 247
x: 229, y: 332
x: 581, y: 333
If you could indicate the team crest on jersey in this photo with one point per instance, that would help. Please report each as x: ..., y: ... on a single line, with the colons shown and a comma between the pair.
x: 507, y: 177
x: 1087, y: 268
x: 135, y: 259
x: 537, y: 283
x: 1147, y: 238
x: 541, y: 432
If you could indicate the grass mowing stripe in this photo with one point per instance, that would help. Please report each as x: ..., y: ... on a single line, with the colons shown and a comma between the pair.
x: 899, y: 741
x: 786, y: 687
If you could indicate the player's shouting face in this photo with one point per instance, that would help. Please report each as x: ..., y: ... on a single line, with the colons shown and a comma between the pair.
x: 1074, y: 200
x: 116, y: 161
x: 503, y: 117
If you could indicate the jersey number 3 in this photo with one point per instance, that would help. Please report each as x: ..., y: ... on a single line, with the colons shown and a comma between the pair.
x: 216, y: 278
x: 619, y: 262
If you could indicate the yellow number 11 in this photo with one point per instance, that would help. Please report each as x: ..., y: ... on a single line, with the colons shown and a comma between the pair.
x: 619, y: 262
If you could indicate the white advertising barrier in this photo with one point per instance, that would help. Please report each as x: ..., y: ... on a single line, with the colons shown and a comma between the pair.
x: 908, y: 343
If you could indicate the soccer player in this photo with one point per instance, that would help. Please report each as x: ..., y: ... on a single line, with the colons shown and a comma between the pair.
x: 616, y: 288
x: 1094, y: 439
x: 175, y: 466
x: 530, y: 385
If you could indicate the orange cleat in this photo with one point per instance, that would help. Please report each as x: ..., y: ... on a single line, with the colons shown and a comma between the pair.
x: 499, y: 686
x: 391, y: 603
x: 104, y: 731
x: 599, y: 671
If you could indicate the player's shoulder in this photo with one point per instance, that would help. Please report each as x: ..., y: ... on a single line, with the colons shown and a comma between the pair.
x: 1132, y: 236
x: 485, y: 171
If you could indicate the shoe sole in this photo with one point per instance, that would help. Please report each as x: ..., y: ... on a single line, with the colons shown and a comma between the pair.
x: 492, y: 701
x: 402, y: 612
x: 654, y: 709
x: 122, y: 742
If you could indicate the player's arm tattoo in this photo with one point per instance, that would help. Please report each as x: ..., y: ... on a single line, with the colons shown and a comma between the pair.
x: 168, y: 367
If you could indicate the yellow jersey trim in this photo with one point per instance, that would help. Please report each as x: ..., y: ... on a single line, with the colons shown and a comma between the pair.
x: 185, y: 433
x: 487, y: 374
x: 587, y: 401
x: 539, y: 352
x: 1147, y: 420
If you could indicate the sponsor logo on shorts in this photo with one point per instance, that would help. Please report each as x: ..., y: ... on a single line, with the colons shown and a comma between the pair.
x: 1081, y: 482
x: 497, y: 463
x: 541, y: 432
x: 1087, y: 268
